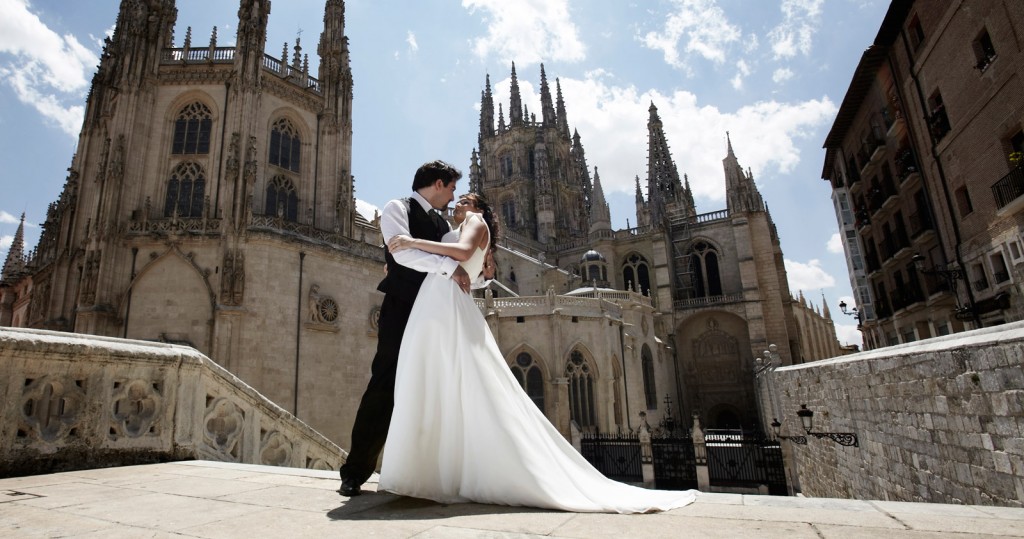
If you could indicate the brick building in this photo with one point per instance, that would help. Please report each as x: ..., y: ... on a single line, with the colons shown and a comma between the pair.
x: 925, y: 180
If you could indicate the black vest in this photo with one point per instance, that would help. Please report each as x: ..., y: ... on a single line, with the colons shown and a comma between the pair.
x: 405, y: 281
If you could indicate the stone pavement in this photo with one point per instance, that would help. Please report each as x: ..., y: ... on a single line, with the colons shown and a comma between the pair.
x: 213, y: 499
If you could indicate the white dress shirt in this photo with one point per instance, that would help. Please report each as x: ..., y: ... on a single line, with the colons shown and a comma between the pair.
x: 394, y: 221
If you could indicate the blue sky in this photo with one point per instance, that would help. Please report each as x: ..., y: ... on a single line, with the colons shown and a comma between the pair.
x: 770, y: 72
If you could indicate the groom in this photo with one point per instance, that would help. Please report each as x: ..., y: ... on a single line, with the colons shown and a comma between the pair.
x: 433, y: 188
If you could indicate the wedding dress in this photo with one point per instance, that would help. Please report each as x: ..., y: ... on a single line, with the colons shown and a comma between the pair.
x: 463, y: 429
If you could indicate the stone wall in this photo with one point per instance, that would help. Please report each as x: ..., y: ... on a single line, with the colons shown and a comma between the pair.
x: 70, y: 401
x: 939, y: 420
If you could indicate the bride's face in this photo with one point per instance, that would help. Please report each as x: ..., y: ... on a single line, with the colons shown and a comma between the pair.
x: 466, y: 203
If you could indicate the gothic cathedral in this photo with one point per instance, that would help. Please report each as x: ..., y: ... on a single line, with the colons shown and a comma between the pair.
x: 210, y: 204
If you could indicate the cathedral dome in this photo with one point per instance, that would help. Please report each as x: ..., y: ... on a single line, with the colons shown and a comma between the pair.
x: 592, y: 256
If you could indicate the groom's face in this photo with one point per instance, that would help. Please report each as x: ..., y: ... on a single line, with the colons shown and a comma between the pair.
x: 442, y: 194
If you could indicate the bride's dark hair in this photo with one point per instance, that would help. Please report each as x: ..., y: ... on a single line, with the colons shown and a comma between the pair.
x: 488, y: 214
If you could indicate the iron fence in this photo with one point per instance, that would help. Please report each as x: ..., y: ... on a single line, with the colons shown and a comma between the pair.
x: 675, y: 465
x: 615, y: 456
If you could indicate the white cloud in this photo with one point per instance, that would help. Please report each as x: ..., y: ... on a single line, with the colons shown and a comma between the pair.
x: 698, y: 27
x: 366, y: 209
x: 807, y: 277
x: 848, y: 334
x: 6, y: 242
x: 835, y: 244
x: 527, y: 32
x: 794, y: 34
x: 612, y: 123
x: 782, y: 74
x: 410, y: 39
x: 742, y: 70
x: 45, y: 70
x: 8, y: 218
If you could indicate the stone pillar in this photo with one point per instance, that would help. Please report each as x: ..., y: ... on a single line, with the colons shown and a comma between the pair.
x: 646, y: 452
x: 700, y: 453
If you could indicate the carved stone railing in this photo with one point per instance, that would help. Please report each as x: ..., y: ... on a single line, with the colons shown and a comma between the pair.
x: 226, y: 55
x: 175, y: 225
x: 696, y: 303
x: 333, y: 239
x: 72, y: 401
x: 548, y: 304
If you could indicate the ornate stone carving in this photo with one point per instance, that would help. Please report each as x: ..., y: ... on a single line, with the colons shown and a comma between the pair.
x: 374, y: 321
x: 234, y: 159
x: 223, y: 425
x: 136, y: 407
x: 717, y: 355
x: 89, y: 275
x: 324, y: 312
x: 232, y: 284
x: 275, y: 449
x: 51, y: 407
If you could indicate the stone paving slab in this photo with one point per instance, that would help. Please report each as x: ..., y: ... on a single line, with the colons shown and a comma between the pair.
x: 216, y: 500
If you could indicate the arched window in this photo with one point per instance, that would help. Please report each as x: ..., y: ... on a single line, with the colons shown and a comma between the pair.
x: 282, y: 199
x: 650, y: 391
x: 530, y: 377
x: 707, y: 282
x: 508, y: 210
x: 581, y: 390
x: 185, y: 191
x: 636, y: 275
x: 192, y: 130
x: 285, y: 146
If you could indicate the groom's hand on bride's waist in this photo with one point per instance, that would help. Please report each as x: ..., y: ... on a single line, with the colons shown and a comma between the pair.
x: 461, y: 278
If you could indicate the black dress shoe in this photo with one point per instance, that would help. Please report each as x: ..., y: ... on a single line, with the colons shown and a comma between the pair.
x: 349, y: 488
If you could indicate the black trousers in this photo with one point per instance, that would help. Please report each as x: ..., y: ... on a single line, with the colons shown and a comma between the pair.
x: 373, y: 418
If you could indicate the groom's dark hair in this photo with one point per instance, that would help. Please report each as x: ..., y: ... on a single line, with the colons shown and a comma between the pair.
x: 428, y: 173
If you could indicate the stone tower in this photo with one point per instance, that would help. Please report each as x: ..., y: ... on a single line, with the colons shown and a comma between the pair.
x: 532, y: 172
x: 211, y: 198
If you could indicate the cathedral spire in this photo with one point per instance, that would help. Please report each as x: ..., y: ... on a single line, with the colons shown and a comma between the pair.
x: 824, y: 307
x: 486, y: 110
x: 600, y: 214
x: 561, y: 118
x: 546, y: 105
x: 335, y: 72
x: 251, y: 40
x: 663, y: 185
x: 515, y: 108
x: 740, y: 190
x: 14, y: 265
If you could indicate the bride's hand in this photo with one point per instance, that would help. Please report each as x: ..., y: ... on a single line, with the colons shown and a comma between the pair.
x: 399, y: 242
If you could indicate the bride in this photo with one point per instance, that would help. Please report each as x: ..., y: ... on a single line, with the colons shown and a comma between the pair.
x: 463, y: 429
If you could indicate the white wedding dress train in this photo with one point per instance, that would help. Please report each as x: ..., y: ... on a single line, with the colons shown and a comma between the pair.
x: 463, y: 429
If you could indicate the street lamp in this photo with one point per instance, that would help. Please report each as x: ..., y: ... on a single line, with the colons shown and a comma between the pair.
x: 847, y: 439
x: 855, y: 312
x: 952, y: 275
x: 777, y: 427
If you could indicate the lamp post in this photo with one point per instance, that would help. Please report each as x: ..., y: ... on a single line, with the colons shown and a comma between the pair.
x: 952, y: 275
x: 847, y: 439
x: 855, y: 312
x: 777, y: 427
x: 806, y: 416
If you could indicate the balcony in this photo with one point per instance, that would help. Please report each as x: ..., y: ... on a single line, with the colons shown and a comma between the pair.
x: 905, y: 165
x: 920, y: 222
x: 1008, y: 190
x: 938, y: 123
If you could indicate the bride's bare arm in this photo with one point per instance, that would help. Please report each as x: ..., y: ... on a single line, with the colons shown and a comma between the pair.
x: 473, y: 232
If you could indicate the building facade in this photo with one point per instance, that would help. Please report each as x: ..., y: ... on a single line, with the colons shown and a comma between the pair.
x: 925, y: 178
x: 716, y: 281
x: 210, y: 203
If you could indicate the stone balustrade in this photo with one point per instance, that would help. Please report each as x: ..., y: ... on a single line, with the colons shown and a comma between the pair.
x: 70, y: 401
